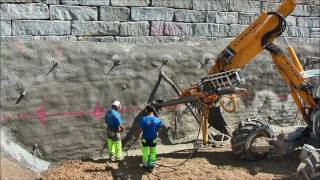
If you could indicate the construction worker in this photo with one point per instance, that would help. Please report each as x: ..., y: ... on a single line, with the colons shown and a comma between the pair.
x: 149, y: 126
x: 114, y: 128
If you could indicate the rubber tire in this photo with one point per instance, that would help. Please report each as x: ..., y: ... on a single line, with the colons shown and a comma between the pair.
x: 315, y: 162
x: 243, y: 136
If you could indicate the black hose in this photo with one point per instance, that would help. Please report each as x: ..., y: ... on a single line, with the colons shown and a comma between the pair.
x: 190, y: 154
x: 276, y: 32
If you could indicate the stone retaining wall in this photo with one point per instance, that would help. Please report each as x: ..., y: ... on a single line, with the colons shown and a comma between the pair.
x: 144, y: 20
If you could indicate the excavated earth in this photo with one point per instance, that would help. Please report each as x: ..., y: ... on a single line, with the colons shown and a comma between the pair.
x: 209, y: 163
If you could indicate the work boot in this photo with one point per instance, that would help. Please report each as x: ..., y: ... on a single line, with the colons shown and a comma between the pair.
x: 150, y: 169
x: 112, y: 158
x: 119, y: 159
x: 146, y: 168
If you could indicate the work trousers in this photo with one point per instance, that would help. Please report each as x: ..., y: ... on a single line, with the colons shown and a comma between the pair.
x: 149, y: 152
x: 114, y: 143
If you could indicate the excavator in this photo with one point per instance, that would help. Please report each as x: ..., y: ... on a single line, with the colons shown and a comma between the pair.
x: 253, y: 138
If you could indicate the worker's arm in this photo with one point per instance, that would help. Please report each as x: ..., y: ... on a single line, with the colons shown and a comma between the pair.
x: 161, y: 127
x: 106, y: 118
x: 119, y: 122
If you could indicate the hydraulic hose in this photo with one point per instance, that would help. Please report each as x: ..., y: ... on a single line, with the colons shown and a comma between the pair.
x: 276, y: 32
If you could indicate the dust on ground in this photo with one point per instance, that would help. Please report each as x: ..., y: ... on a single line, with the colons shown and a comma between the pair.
x: 209, y: 163
x: 10, y: 170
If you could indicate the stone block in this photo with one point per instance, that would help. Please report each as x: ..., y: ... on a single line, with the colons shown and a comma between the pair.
x: 180, y: 4
x: 30, y: 1
x: 235, y: 29
x: 134, y: 28
x: 96, y: 38
x: 315, y: 10
x: 130, y: 2
x: 40, y: 27
x: 24, y: 11
x: 15, y: 38
x: 315, y: 32
x: 86, y: 2
x: 15, y: 1
x: 212, y: 5
x: 222, y: 17
x: 108, y: 13
x: 5, y: 28
x: 131, y: 40
x: 298, y: 31
x: 157, y: 28
x: 182, y: 15
x: 82, y: 13
x: 247, y: 18
x: 272, y: 6
x: 177, y: 29
x: 82, y: 28
x: 147, y: 39
x: 291, y: 20
x: 313, y: 2
x: 55, y: 38
x: 197, y: 39
x: 211, y: 16
x: 301, y: 10
x: 151, y: 14
x: 308, y: 21
x: 210, y: 29
x: 48, y: 1
x: 271, y: 1
x: 245, y: 6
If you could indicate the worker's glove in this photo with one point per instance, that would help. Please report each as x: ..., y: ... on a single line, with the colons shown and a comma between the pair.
x: 165, y: 127
x: 136, y: 138
x: 120, y: 128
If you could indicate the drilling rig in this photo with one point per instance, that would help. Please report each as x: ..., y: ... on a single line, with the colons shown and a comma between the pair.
x: 253, y: 138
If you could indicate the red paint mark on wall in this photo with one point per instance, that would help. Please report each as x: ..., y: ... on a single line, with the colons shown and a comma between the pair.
x: 24, y: 116
x: 5, y: 118
x: 283, y: 97
x: 18, y: 48
x: 97, y: 112
x: 57, y: 52
x: 41, y: 114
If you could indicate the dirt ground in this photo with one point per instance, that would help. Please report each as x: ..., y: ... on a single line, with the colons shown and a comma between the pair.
x: 209, y: 163
x: 10, y: 170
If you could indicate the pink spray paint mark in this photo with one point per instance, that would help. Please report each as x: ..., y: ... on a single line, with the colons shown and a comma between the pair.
x: 24, y: 116
x: 41, y: 114
x: 18, y: 48
x: 283, y: 97
x: 97, y: 112
x: 4, y: 118
x: 57, y: 52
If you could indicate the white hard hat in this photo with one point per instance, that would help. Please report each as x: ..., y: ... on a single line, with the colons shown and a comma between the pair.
x: 116, y: 103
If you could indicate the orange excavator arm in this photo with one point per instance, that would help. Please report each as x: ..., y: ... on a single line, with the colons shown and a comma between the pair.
x: 248, y: 44
x: 259, y: 36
